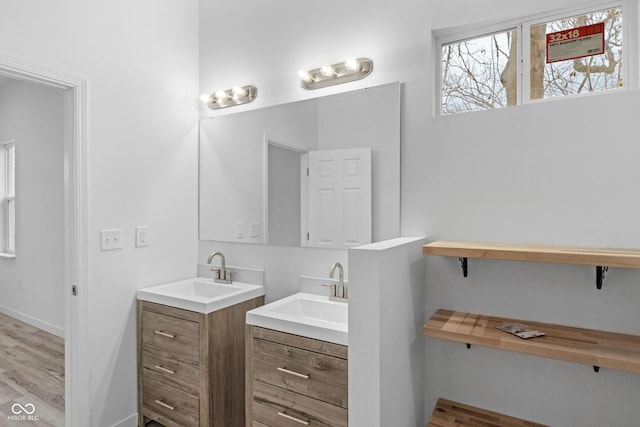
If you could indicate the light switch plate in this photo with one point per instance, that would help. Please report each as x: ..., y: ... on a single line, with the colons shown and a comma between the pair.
x: 110, y: 239
x: 255, y: 229
x: 239, y: 230
x: 142, y: 236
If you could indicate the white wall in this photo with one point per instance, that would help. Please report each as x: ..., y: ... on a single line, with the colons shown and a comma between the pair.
x: 557, y: 172
x: 283, y: 195
x: 386, y: 344
x: 141, y: 63
x: 33, y: 281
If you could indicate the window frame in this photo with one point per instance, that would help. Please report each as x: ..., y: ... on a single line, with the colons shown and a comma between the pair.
x: 8, y: 181
x: 522, y: 25
x: 10, y: 197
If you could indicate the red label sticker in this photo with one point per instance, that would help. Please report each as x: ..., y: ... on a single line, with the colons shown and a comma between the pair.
x: 575, y: 43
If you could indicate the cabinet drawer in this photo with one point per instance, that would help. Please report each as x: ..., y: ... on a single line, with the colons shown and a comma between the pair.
x: 168, y: 405
x: 317, y: 346
x: 312, y: 374
x: 275, y: 407
x: 170, y: 333
x: 175, y: 369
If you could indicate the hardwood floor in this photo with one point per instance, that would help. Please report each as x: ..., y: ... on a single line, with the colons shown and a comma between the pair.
x: 31, y: 375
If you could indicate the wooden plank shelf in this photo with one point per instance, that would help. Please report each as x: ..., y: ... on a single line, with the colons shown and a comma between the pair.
x: 602, y: 258
x: 626, y: 258
x: 586, y: 346
x: 453, y: 414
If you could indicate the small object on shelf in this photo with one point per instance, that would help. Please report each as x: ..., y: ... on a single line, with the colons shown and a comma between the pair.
x: 520, y: 330
x: 590, y: 347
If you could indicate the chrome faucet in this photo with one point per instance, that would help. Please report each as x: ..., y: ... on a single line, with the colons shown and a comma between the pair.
x: 338, y: 291
x: 222, y: 275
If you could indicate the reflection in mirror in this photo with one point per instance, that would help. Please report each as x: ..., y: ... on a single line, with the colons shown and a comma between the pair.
x: 283, y: 194
x: 254, y: 186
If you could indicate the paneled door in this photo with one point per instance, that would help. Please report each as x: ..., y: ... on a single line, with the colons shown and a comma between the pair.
x: 339, y: 198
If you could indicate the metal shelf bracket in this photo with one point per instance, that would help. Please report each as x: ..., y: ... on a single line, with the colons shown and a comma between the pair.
x: 464, y: 265
x: 600, y: 272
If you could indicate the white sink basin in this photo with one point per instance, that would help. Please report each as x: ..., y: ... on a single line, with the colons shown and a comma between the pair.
x: 200, y: 294
x: 309, y: 315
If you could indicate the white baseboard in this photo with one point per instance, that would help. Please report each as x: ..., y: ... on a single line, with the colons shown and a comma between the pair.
x: 130, y: 421
x: 45, y: 326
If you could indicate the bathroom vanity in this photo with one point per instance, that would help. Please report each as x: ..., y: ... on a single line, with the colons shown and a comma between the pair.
x: 191, y: 360
x: 293, y: 379
x: 297, y: 363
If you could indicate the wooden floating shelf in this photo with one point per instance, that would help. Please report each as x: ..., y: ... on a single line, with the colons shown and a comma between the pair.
x: 586, y: 346
x: 453, y: 414
x: 601, y: 258
x: 625, y: 258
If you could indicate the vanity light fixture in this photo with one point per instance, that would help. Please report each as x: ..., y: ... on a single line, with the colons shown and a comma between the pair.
x: 329, y: 75
x: 229, y: 97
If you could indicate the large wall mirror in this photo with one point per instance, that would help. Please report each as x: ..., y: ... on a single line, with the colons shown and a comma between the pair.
x: 323, y: 172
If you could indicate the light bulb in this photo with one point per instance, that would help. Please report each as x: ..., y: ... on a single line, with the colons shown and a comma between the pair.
x: 304, y: 76
x: 220, y: 95
x: 238, y: 92
x: 326, y: 70
x: 205, y: 97
x: 352, y: 64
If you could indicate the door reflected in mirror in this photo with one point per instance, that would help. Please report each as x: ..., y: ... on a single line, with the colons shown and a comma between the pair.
x: 323, y: 172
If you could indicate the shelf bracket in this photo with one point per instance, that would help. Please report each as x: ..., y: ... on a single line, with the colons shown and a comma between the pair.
x: 596, y: 369
x: 600, y: 272
x: 464, y: 265
x: 468, y: 345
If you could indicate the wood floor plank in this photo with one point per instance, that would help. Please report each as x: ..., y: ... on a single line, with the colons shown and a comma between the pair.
x: 31, y: 372
x: 8, y: 393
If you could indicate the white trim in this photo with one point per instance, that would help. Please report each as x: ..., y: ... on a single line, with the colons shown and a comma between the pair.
x: 77, y: 361
x: 130, y: 421
x: 30, y: 320
x: 478, y: 29
x: 304, y: 200
x: 265, y: 189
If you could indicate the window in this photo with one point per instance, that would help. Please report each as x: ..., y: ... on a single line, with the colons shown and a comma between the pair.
x: 572, y: 53
x: 10, y: 197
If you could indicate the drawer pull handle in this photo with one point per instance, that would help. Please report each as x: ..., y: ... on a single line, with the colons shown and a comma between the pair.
x: 164, y: 334
x: 297, y: 374
x: 289, y: 417
x: 161, y: 403
x: 163, y: 369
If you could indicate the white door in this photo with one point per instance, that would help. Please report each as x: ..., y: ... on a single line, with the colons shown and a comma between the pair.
x: 339, y: 198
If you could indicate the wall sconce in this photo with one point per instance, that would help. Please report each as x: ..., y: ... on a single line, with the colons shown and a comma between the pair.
x: 235, y: 96
x: 343, y: 72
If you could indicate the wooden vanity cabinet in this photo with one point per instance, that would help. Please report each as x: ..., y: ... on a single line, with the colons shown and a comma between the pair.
x: 191, y: 365
x: 294, y: 380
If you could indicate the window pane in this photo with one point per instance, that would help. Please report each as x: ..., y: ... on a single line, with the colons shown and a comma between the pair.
x: 11, y: 226
x: 10, y: 170
x: 574, y: 76
x: 10, y: 190
x: 479, y: 74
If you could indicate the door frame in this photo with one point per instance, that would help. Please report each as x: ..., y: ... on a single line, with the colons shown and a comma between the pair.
x: 77, y: 366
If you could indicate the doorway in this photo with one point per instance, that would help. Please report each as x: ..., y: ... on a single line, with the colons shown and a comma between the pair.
x: 74, y: 289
